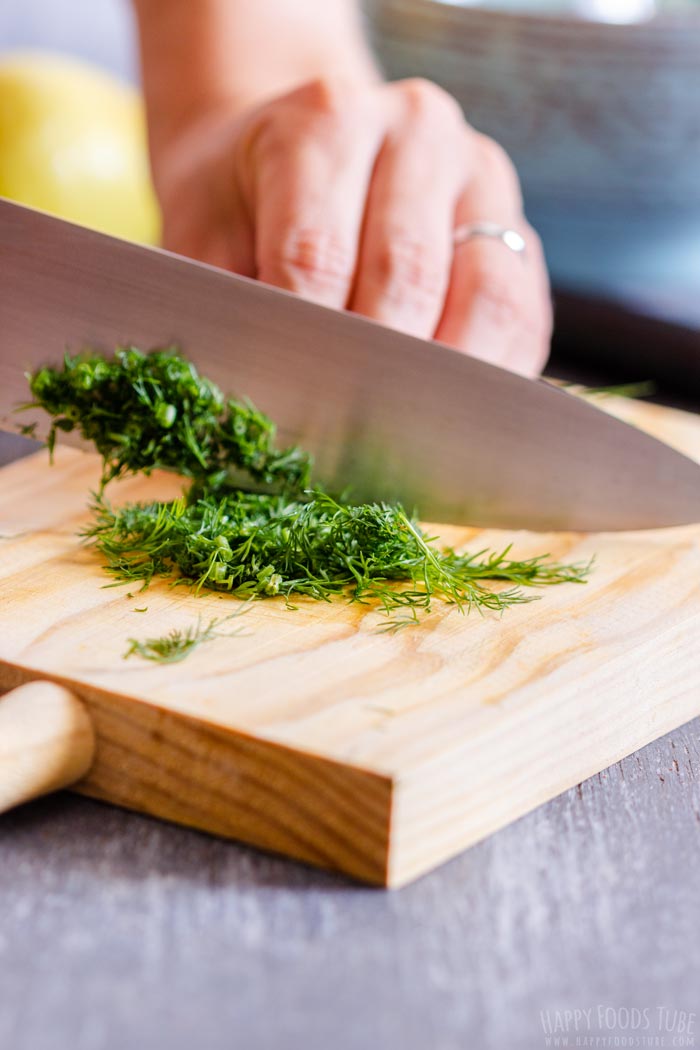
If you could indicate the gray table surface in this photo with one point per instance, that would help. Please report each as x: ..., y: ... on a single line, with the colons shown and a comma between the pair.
x: 118, y: 932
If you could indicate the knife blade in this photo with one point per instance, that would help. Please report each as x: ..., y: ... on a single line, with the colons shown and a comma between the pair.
x: 391, y: 416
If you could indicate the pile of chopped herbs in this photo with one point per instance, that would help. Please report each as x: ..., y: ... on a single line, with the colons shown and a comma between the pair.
x: 248, y: 522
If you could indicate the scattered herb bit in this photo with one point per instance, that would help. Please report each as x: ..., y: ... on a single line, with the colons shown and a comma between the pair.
x: 398, y: 623
x: 645, y: 388
x: 148, y: 411
x: 144, y: 608
x: 176, y: 644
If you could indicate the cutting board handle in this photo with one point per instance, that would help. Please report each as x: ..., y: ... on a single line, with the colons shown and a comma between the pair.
x: 46, y: 742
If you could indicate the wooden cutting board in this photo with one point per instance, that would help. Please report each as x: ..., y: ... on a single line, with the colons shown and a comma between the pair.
x: 313, y: 734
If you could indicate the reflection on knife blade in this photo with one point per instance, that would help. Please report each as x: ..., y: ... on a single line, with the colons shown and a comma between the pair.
x: 394, y: 416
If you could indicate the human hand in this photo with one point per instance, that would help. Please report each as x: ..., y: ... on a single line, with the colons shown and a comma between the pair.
x: 349, y: 195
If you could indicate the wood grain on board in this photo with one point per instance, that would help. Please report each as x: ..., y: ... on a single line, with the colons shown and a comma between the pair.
x: 314, y: 734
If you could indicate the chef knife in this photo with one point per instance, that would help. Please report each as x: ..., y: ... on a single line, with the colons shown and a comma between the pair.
x: 391, y: 416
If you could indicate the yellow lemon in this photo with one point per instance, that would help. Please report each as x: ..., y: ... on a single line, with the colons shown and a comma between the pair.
x: 73, y: 143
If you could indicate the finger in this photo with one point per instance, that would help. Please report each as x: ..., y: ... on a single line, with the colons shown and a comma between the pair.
x: 312, y: 160
x: 230, y: 243
x: 223, y: 240
x: 205, y: 215
x: 406, y: 246
x: 497, y: 306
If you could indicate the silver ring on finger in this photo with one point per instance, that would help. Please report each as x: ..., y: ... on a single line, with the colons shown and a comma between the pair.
x: 513, y: 240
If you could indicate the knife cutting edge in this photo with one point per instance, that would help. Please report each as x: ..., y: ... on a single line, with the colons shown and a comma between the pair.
x: 389, y: 415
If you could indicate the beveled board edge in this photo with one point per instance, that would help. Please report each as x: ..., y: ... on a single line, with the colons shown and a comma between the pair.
x: 462, y: 796
x: 232, y: 784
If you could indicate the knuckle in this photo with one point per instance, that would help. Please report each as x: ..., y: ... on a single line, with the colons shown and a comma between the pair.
x: 508, y: 308
x: 406, y: 267
x: 322, y: 106
x: 515, y: 302
x: 310, y: 256
x: 424, y: 100
x: 498, y: 295
x: 327, y: 96
x: 498, y: 166
x: 494, y: 155
x: 266, y: 138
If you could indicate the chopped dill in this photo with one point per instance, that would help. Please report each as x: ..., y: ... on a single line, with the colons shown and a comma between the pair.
x: 643, y: 388
x: 174, y: 646
x: 153, y: 411
x: 257, y: 546
x: 148, y: 411
x: 398, y: 623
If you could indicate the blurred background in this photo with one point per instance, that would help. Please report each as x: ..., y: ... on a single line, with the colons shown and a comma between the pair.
x: 598, y: 103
